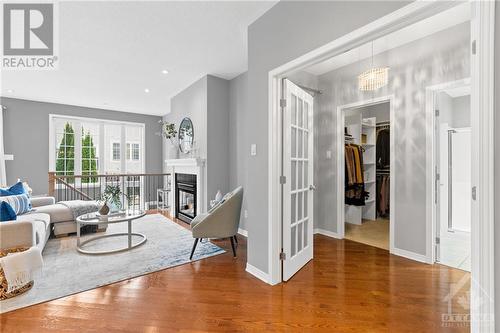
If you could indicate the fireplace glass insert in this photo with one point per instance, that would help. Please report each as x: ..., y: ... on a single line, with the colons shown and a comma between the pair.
x: 185, y: 197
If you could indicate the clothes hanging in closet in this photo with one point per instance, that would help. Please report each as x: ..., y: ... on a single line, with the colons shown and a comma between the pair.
x: 383, y: 148
x: 355, y: 193
x: 383, y: 195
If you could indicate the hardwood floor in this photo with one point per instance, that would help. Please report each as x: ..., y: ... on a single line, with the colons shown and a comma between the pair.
x: 348, y: 287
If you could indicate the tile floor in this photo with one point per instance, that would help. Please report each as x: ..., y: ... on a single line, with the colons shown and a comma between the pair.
x: 456, y: 250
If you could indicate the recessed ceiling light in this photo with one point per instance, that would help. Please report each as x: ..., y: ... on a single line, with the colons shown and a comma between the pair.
x: 164, y: 71
x: 10, y: 91
x: 146, y: 90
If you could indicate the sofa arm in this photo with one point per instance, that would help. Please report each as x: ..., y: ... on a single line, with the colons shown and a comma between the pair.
x: 42, y: 201
x: 16, y: 234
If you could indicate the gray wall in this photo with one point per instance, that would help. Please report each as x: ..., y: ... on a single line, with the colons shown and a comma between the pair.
x: 287, y: 31
x: 238, y: 148
x: 217, y: 136
x: 381, y: 111
x: 439, y: 58
x: 192, y: 103
x: 207, y: 103
x: 26, y: 135
x: 461, y: 111
x: 455, y: 111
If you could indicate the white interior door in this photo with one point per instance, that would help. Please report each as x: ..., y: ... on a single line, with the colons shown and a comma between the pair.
x: 299, y: 186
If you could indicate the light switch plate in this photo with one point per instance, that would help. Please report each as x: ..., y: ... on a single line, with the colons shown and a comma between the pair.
x: 245, y: 212
x: 328, y: 154
x: 253, y: 149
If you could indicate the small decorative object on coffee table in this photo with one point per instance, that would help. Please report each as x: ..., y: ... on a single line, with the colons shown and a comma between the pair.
x: 94, y: 219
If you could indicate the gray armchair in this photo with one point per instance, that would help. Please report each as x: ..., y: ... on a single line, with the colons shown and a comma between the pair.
x: 221, y: 221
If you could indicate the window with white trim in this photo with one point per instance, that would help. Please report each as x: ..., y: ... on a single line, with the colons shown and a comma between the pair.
x: 133, y: 152
x: 115, y: 151
x: 86, y: 146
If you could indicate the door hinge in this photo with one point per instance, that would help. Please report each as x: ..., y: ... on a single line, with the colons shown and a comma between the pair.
x: 282, y: 180
x: 438, y: 240
x: 282, y: 256
x: 474, y: 193
x: 473, y: 47
x: 283, y: 103
x: 437, y: 113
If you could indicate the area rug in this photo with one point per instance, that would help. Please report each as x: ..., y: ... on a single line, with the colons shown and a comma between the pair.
x: 67, y: 271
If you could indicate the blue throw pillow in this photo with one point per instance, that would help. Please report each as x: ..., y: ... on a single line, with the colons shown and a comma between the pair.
x: 16, y: 189
x: 7, y: 213
x: 19, y: 203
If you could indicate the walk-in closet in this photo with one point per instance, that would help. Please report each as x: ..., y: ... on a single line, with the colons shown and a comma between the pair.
x: 367, y: 174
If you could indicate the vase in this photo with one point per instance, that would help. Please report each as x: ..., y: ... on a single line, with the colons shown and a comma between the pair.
x: 104, y: 210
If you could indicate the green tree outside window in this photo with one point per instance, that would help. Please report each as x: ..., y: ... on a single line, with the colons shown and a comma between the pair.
x: 65, y: 163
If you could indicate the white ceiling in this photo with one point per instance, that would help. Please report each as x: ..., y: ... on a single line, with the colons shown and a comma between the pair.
x: 110, y: 52
x: 421, y: 29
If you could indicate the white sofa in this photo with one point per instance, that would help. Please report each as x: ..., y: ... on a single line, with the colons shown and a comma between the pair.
x: 31, y: 229
x: 34, y: 228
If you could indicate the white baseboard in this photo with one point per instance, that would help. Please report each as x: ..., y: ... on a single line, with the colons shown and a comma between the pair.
x: 243, y: 232
x: 410, y: 255
x: 327, y: 233
x: 258, y: 273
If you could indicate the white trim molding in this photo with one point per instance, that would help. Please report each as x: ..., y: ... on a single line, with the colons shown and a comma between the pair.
x: 327, y: 233
x: 258, y: 273
x: 483, y: 204
x: 243, y: 232
x: 410, y: 255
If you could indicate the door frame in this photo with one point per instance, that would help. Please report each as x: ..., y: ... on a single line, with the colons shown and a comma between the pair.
x: 431, y: 94
x: 341, y: 109
x: 482, y: 98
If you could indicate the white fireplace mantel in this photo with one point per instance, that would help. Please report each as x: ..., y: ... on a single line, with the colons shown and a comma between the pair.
x: 185, y: 162
x: 194, y: 166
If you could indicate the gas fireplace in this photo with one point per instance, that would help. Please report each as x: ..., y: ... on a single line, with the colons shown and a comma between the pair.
x: 185, y: 185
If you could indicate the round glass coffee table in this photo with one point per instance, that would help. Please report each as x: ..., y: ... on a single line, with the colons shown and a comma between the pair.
x: 93, y: 219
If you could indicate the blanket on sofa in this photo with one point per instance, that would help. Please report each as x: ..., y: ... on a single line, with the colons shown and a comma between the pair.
x: 80, y: 207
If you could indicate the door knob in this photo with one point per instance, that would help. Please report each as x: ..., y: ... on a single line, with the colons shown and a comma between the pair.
x: 312, y: 187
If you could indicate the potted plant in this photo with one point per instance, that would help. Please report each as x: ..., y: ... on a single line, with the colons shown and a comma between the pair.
x: 169, y: 132
x: 111, y: 199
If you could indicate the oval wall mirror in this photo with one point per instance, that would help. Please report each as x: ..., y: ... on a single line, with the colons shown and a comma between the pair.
x: 186, y: 135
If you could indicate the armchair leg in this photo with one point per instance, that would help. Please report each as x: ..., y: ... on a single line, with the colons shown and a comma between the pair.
x: 235, y: 239
x: 194, y: 248
x: 232, y: 245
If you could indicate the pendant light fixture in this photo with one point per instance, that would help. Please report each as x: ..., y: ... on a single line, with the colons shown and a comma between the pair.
x: 373, y: 78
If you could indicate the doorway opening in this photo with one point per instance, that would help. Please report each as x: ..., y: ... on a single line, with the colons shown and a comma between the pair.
x: 365, y: 204
x: 416, y: 185
x: 452, y: 218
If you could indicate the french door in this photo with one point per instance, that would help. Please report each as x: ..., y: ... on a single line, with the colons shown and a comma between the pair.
x: 298, y: 172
